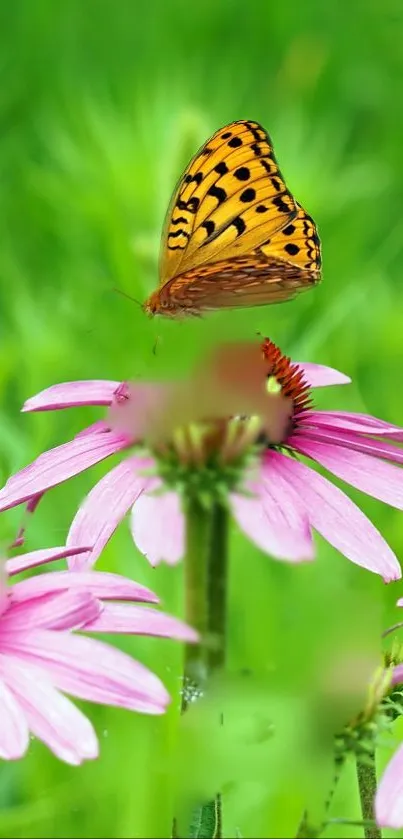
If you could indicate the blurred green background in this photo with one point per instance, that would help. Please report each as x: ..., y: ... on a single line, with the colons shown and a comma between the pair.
x: 101, y: 105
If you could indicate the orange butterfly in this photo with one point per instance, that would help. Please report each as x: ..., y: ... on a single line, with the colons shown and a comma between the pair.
x: 234, y: 235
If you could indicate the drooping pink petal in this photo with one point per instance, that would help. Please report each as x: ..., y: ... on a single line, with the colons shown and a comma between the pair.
x: 165, y: 542
x: 375, y: 477
x: 105, y: 507
x: 281, y: 530
x: 137, y: 620
x: 89, y: 669
x: 389, y: 795
x: 348, y: 440
x: 57, y: 610
x: 50, y: 715
x: 14, y: 733
x: 337, y: 518
x: 72, y: 394
x: 35, y: 558
x: 318, y: 375
x: 360, y: 423
x: 102, y: 584
x: 57, y: 465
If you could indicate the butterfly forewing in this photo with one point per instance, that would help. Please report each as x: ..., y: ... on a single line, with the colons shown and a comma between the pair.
x: 231, y: 198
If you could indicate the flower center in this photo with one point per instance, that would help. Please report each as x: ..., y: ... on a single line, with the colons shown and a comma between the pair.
x: 286, y: 377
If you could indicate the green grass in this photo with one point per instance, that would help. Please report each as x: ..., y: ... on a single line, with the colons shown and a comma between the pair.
x: 101, y: 106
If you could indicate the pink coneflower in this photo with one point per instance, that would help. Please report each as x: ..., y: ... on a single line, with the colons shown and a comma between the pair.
x: 277, y: 502
x: 41, y: 655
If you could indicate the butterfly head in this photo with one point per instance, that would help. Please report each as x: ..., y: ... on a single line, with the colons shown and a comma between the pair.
x: 153, y: 306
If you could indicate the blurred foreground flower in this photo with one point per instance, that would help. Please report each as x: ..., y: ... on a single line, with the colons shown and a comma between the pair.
x: 194, y: 449
x: 40, y: 655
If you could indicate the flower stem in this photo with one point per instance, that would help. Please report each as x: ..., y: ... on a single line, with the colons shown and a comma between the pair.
x: 217, y: 586
x: 366, y: 776
x: 211, y: 812
x: 198, y: 527
x: 205, y: 610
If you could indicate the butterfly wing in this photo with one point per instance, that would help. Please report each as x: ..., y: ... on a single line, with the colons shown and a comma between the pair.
x: 234, y: 235
x: 230, y: 199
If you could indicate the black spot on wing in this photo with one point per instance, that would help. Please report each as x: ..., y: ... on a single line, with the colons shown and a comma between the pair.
x: 281, y: 205
x: 291, y: 248
x: 221, y: 168
x: 242, y: 173
x: 195, y: 179
x: 253, y: 128
x: 191, y: 206
x: 256, y: 148
x: 247, y: 195
x: 209, y: 226
x: 235, y: 142
x: 266, y: 166
x: 179, y: 233
x: 239, y: 225
x: 218, y: 193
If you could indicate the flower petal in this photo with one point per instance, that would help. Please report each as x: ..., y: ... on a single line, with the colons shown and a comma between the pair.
x: 389, y: 795
x: 275, y: 524
x: 89, y: 669
x: 101, y: 584
x: 57, y: 610
x: 138, y: 620
x: 57, y: 465
x: 40, y: 557
x: 337, y: 518
x: 14, y: 732
x: 165, y: 542
x: 375, y: 477
x: 73, y: 394
x: 361, y: 423
x: 318, y: 375
x: 105, y: 507
x: 348, y: 440
x: 50, y: 716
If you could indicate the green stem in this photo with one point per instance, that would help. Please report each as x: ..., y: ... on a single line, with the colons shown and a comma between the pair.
x: 198, y: 527
x: 211, y: 813
x: 366, y: 776
x: 217, y: 587
x: 205, y: 610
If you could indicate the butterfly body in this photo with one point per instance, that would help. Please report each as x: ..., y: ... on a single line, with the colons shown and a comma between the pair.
x: 234, y: 235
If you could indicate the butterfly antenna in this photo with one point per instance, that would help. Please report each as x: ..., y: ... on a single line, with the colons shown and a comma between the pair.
x: 128, y: 296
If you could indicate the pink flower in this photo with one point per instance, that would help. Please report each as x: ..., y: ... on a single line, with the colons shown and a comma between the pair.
x: 40, y: 655
x: 286, y: 499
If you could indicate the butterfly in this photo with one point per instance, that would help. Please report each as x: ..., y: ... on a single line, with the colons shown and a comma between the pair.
x: 234, y: 236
